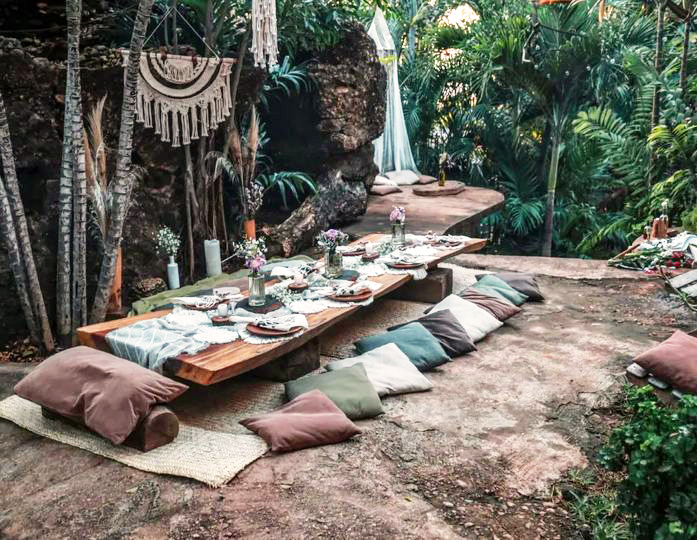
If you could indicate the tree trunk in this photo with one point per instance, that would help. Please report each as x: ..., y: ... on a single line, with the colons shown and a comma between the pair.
x: 7, y: 229
x: 658, y: 63
x: 123, y: 182
x: 64, y: 323
x: 551, y: 194
x: 79, y: 315
x: 11, y: 188
x: 685, y: 48
x: 189, y: 200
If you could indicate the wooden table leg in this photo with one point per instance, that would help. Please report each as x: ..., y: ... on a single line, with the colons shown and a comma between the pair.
x: 437, y: 285
x: 295, y: 364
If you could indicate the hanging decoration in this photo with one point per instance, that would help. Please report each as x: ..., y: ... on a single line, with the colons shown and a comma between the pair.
x: 264, y: 36
x: 177, y: 93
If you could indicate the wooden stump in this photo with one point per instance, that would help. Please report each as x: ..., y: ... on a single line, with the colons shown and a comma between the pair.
x: 295, y: 364
x: 437, y: 285
x: 451, y: 187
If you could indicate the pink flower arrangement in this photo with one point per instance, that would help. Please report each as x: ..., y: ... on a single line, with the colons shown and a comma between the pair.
x: 253, y: 251
x: 398, y: 214
x: 331, y: 238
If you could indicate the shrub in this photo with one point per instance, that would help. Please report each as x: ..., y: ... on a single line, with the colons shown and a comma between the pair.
x: 657, y: 448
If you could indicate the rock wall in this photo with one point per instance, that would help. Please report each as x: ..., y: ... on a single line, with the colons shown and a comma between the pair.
x: 345, y: 113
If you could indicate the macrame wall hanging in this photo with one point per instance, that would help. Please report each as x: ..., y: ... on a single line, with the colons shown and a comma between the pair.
x: 264, y: 36
x: 176, y: 93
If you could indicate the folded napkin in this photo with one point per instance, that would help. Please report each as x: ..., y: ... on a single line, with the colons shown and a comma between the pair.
x: 283, y: 323
x: 199, y: 301
x: 282, y: 271
x: 353, y: 289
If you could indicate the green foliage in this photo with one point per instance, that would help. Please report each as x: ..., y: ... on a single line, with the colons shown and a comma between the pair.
x: 656, y: 449
x: 689, y: 220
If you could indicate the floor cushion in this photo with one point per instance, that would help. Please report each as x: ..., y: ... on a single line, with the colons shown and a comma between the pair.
x: 674, y: 361
x: 403, y: 178
x: 521, y: 282
x: 311, y: 419
x: 476, y: 321
x: 384, y: 190
x: 490, y: 284
x: 384, y: 181
x: 448, y: 331
x: 424, y: 179
x: 349, y: 388
x: 108, y: 394
x: 422, y: 349
x: 389, y: 369
x: 499, y: 308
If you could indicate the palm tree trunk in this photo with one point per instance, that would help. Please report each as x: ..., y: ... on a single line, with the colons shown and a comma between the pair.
x: 64, y: 324
x: 7, y: 229
x: 658, y: 63
x: 123, y: 182
x: 79, y: 315
x: 551, y: 195
x: 11, y: 187
x: 685, y: 48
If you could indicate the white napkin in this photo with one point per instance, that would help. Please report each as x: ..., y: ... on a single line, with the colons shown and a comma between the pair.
x: 351, y: 290
x: 283, y: 323
x: 202, y: 301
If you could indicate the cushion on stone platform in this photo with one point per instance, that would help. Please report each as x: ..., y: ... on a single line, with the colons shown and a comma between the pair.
x: 388, y: 369
x: 522, y: 282
x: 384, y: 181
x: 448, y: 331
x: 384, y: 190
x: 422, y: 349
x: 108, y: 394
x: 349, y: 388
x: 403, y: 178
x: 498, y: 307
x: 673, y: 361
x: 490, y: 284
x: 424, y: 179
x: 475, y: 320
x: 311, y: 419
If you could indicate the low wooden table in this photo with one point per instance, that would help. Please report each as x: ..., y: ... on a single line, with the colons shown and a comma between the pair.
x: 220, y: 362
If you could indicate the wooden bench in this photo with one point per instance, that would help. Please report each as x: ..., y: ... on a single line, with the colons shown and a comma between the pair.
x: 220, y: 362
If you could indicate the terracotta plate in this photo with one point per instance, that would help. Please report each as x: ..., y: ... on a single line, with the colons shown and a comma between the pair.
x: 298, y: 288
x: 404, y: 266
x: 352, y: 298
x: 259, y: 331
x: 354, y: 253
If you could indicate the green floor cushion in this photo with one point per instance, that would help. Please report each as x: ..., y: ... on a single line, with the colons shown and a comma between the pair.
x: 523, y: 283
x: 673, y: 361
x: 475, y: 320
x: 422, y: 349
x: 311, y: 419
x: 490, y: 284
x: 349, y: 388
x: 389, y: 369
x: 448, y: 331
x: 501, y: 309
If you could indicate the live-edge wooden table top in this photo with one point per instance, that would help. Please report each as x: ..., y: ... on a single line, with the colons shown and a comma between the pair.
x: 220, y: 362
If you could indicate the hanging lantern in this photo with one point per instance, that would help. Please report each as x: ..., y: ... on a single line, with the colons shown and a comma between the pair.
x: 264, y: 36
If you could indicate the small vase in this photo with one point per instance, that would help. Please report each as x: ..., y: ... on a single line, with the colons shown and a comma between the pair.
x: 441, y: 178
x: 257, y: 290
x: 398, y: 234
x: 173, y: 273
x: 250, y: 229
x: 333, y: 263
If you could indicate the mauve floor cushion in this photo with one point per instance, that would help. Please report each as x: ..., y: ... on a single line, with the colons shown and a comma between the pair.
x: 494, y: 286
x: 311, y: 419
x: 349, y: 388
x: 422, y: 349
x: 476, y: 321
x: 448, y: 331
x: 499, y: 308
x: 521, y: 282
x: 389, y: 369
x: 110, y: 394
x: 673, y: 361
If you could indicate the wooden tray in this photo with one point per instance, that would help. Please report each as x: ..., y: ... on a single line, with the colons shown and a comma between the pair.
x: 259, y: 331
x: 221, y: 320
x: 353, y: 298
x: 298, y: 288
x: 404, y: 266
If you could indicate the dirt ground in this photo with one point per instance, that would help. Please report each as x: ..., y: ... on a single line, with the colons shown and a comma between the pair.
x: 480, y: 456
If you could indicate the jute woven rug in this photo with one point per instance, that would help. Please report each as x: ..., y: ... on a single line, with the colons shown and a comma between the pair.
x: 212, y: 447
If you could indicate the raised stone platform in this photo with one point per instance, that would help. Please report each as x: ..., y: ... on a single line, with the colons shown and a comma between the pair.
x: 455, y: 214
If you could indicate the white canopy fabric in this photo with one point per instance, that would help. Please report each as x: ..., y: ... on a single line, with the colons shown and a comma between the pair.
x: 392, y: 149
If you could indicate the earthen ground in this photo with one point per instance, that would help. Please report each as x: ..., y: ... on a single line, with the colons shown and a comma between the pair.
x: 477, y: 457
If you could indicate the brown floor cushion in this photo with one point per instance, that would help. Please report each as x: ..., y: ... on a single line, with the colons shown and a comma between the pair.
x: 424, y: 179
x: 448, y: 332
x: 673, y: 361
x: 500, y: 309
x: 521, y: 282
x: 311, y: 419
x: 109, y: 394
x: 384, y: 190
